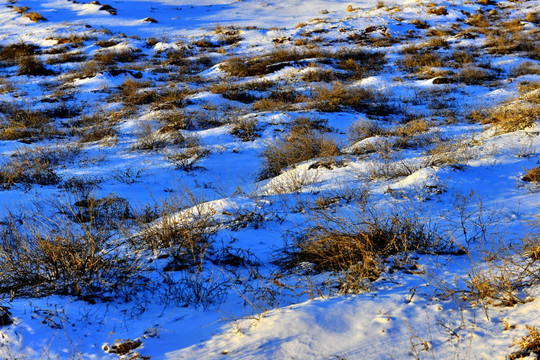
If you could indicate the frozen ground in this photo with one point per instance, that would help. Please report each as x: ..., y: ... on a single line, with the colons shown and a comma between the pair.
x: 145, y: 111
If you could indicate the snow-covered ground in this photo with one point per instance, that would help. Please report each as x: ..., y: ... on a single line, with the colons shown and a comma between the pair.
x: 141, y: 109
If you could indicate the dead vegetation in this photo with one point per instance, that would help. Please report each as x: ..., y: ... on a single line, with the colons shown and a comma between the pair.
x: 304, y: 141
x: 358, y: 243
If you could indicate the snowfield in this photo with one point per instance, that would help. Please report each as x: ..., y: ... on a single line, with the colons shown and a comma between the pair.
x: 269, y: 180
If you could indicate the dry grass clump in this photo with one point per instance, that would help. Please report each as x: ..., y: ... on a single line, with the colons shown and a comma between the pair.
x: 176, y: 120
x: 75, y: 40
x: 452, y: 152
x: 27, y: 166
x: 299, y: 144
x: 94, y: 127
x: 339, y: 96
x: 244, y: 93
x: 186, y: 237
x: 359, y: 62
x: 68, y: 57
x: 420, y: 24
x: 414, y: 133
x: 459, y: 58
x: 532, y: 175
x: 362, y: 129
x: 533, y: 17
x: 421, y: 60
x: 112, y: 57
x: 472, y: 75
x: 150, y: 138
x: 529, y: 345
x: 441, y: 10
x: 504, y: 42
x: 32, y: 66
x: 135, y: 92
x: 478, y: 20
x: 513, y: 116
x: 35, y: 16
x: 319, y: 75
x: 107, y: 43
x: 267, y: 63
x: 528, y: 88
x: 19, y: 123
x: 525, y: 68
x: 186, y: 159
x: 358, y: 242
x: 10, y: 53
x: 245, y: 128
x: 42, y: 256
x: 21, y: 9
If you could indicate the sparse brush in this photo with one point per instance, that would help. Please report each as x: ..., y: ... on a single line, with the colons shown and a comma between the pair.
x: 338, y: 96
x: 28, y: 166
x: 186, y: 231
x: 525, y: 68
x: 362, y: 129
x: 35, y: 16
x: 149, y: 138
x: 20, y: 123
x: 267, y: 63
x: 30, y: 65
x: 533, y: 17
x: 299, y: 144
x: 513, y: 116
x: 471, y: 75
x: 441, y: 10
x: 112, y: 57
x: 415, y: 133
x: 529, y: 344
x: 176, y: 120
x: 95, y: 127
x: 362, y: 239
x: 478, y: 20
x: 245, y: 128
x: 504, y: 42
x: 421, y: 60
x: 134, y: 93
x: 68, y: 57
x: 532, y: 175
x: 42, y: 256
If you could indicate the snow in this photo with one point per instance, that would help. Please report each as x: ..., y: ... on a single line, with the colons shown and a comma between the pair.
x: 263, y: 311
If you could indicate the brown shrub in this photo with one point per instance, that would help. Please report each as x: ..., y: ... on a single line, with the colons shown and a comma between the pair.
x: 339, y: 95
x: 134, y: 92
x: 478, y: 20
x: 299, y: 144
x: 461, y: 57
x: 471, y: 75
x: 508, y: 42
x: 532, y: 175
x: 19, y: 123
x: 533, y: 17
x: 509, y: 117
x: 525, y: 68
x: 12, y: 52
x: 69, y: 57
x: 438, y: 10
x: 245, y: 128
x: 421, y: 60
x: 42, y: 256
x: 35, y: 16
x: 32, y: 66
x: 111, y: 57
x: 360, y: 241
